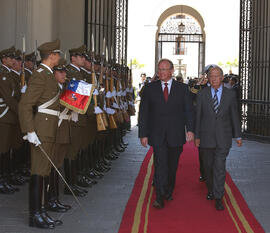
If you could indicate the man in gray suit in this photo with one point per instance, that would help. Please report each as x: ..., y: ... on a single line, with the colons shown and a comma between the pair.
x: 217, y: 122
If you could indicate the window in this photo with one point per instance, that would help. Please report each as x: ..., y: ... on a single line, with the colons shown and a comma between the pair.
x: 180, y: 46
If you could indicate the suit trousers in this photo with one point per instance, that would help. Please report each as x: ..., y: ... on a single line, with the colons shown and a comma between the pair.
x: 214, y: 163
x: 201, y: 163
x: 165, y: 163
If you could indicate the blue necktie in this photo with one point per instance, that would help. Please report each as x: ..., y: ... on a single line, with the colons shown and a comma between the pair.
x: 215, y: 102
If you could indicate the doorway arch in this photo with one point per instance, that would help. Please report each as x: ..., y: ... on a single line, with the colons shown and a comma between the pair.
x: 197, y: 36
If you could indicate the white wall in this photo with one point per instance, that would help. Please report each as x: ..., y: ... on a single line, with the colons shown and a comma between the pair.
x: 41, y: 20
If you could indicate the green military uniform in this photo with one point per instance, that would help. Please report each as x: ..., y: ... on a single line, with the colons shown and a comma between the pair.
x: 43, y: 94
x: 42, y: 88
x: 63, y: 138
x: 9, y: 98
x: 91, y: 131
x: 28, y: 73
x: 79, y: 128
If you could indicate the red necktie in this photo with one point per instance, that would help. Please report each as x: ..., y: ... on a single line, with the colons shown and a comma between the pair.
x: 165, y: 92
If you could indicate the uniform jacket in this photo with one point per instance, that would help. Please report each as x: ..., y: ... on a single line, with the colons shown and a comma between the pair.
x: 74, y: 74
x: 27, y: 74
x: 216, y: 129
x: 9, y: 97
x: 41, y: 88
x: 163, y: 121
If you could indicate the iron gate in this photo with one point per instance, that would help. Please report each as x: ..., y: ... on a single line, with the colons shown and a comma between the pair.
x: 254, y: 68
x: 106, y: 24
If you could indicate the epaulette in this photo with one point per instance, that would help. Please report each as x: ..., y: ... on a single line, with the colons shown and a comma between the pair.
x: 40, y: 70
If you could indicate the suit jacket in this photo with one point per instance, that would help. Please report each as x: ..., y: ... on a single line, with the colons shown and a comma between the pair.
x: 217, y: 129
x: 163, y: 121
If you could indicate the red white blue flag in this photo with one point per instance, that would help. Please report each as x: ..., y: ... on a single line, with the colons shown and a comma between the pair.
x: 77, y: 96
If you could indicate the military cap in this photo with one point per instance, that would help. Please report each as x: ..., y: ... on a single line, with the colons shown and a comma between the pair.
x: 50, y: 47
x: 61, y: 66
x: 30, y: 57
x: 10, y: 52
x: 18, y: 54
x: 89, y: 55
x: 78, y: 51
x: 97, y: 59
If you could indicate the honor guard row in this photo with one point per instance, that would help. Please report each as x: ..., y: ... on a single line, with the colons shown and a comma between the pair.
x: 54, y: 135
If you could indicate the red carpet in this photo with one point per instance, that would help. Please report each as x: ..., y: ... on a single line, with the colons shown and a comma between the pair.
x: 189, y: 212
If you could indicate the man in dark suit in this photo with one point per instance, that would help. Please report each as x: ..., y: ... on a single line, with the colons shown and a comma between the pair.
x: 217, y: 122
x: 165, y: 111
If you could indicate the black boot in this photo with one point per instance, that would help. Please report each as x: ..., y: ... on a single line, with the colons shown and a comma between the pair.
x: 3, y: 188
x: 82, y: 180
x: 70, y: 179
x: 44, y: 213
x: 6, y: 173
x: 56, y: 180
x: 74, y: 177
x: 35, y: 198
x: 52, y: 203
x: 14, y: 162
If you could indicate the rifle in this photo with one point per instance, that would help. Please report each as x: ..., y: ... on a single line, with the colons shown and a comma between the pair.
x: 22, y: 76
x: 35, y: 62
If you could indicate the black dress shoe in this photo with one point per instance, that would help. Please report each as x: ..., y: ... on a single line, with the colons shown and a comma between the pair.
x: 118, y: 149
x: 75, y: 191
x: 53, y: 206
x: 219, y: 205
x: 169, y: 197
x: 49, y: 219
x: 36, y: 220
x: 210, y: 196
x: 4, y: 189
x: 158, y: 204
x: 202, y: 179
x: 68, y: 207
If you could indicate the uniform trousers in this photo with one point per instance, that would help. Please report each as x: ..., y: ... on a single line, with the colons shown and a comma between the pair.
x: 40, y: 165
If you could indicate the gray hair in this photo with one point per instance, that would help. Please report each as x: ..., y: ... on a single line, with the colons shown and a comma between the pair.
x: 214, y: 67
x: 166, y: 60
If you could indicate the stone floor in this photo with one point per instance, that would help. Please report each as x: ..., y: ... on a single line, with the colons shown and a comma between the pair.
x: 249, y: 167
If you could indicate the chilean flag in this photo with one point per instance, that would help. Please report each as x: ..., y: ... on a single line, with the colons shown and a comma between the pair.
x: 77, y: 96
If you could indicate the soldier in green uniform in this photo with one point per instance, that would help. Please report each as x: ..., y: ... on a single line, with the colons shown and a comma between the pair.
x: 17, y: 150
x: 41, y: 128
x: 29, y: 65
x: 101, y: 147
x: 89, y: 155
x: 78, y: 130
x: 61, y: 146
x: 7, y: 59
x: 9, y: 97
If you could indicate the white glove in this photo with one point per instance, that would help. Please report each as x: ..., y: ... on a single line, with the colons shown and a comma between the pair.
x: 23, y: 89
x: 32, y: 138
x: 74, y: 116
x: 95, y: 92
x: 98, y: 110
x: 110, y: 111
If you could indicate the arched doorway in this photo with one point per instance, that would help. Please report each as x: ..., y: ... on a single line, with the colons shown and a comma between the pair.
x: 181, y: 38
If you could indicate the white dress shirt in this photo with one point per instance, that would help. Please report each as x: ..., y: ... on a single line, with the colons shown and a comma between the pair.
x: 169, y: 85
